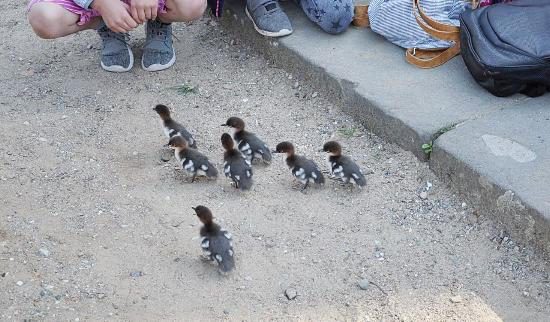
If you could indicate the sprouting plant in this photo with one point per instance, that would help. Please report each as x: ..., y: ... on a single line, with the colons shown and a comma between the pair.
x: 185, y: 89
x: 348, y: 132
x: 427, y: 147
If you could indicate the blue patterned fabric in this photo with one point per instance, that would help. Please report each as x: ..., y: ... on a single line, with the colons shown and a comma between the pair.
x: 333, y: 16
x: 84, y: 4
x: 394, y: 20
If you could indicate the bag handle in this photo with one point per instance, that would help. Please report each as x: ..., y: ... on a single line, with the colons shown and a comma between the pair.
x: 432, y: 58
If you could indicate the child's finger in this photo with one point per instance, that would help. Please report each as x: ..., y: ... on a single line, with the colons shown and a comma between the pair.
x: 148, y: 13
x: 134, y: 13
x: 154, y: 13
x: 142, y: 15
x: 130, y: 22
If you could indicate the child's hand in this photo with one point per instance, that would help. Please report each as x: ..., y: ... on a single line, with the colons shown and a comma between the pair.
x: 143, y: 10
x: 116, y: 15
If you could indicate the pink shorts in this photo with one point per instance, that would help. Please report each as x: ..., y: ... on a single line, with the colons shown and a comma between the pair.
x: 86, y: 14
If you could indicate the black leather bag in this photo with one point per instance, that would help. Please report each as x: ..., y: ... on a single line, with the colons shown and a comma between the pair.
x: 506, y: 46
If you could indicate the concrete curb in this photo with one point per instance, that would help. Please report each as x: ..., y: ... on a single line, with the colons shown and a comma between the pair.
x: 522, y: 218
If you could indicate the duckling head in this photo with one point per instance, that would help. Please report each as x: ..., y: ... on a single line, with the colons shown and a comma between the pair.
x: 177, y: 142
x: 163, y: 111
x: 285, y: 147
x: 236, y: 123
x: 227, y: 142
x: 204, y: 214
x: 333, y: 148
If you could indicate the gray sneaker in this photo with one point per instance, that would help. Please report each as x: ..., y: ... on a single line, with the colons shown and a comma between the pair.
x: 116, y: 55
x: 268, y: 18
x: 158, y: 52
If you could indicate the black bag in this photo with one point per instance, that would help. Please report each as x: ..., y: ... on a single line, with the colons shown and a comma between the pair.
x: 506, y: 46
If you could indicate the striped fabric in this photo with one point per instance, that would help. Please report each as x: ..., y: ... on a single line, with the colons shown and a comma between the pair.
x: 394, y: 20
x: 85, y: 15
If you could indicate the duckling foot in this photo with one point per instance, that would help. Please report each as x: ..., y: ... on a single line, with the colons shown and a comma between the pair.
x: 298, y: 186
x: 205, y: 258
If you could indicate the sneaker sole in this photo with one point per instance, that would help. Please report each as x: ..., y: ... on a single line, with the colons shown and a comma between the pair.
x: 280, y: 33
x: 159, y: 67
x: 120, y: 69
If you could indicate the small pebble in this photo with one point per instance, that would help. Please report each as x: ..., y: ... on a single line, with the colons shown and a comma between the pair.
x: 26, y: 123
x: 424, y: 195
x: 137, y: 274
x: 456, y: 299
x: 176, y: 222
x: 314, y: 95
x: 291, y: 293
x: 100, y: 295
x: 44, y: 252
x: 364, y: 284
x: 42, y: 139
x: 226, y: 312
x: 19, y: 283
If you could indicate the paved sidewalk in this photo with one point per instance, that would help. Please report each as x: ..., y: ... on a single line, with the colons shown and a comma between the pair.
x: 495, y: 151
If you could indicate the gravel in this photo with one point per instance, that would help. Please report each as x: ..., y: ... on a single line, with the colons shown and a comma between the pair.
x: 105, y: 213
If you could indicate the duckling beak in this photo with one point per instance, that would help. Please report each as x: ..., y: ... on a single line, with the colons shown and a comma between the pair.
x: 193, y: 208
x: 224, y: 124
x: 274, y: 151
x: 320, y: 150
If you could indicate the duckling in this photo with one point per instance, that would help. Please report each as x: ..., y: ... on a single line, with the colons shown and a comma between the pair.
x: 216, y: 242
x: 172, y: 127
x: 191, y: 160
x: 305, y: 170
x: 248, y: 143
x: 342, y: 166
x: 235, y: 165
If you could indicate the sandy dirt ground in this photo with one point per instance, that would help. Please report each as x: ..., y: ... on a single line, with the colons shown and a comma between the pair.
x: 94, y: 226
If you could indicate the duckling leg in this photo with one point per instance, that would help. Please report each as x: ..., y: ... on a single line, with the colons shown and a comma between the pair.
x: 236, y: 184
x: 194, y: 177
x: 305, y: 186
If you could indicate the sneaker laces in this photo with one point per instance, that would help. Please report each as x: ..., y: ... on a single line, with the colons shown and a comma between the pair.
x: 157, y: 32
x: 107, y: 33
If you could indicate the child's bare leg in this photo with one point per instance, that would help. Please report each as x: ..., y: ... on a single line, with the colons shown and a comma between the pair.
x: 50, y: 20
x: 183, y: 10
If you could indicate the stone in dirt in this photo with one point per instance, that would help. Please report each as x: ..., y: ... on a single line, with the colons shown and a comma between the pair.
x: 44, y: 252
x: 291, y: 294
x: 137, y: 274
x: 424, y: 195
x: 364, y: 284
x: 456, y: 299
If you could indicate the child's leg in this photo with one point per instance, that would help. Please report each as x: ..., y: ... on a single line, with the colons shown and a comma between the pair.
x: 50, y: 20
x: 183, y: 10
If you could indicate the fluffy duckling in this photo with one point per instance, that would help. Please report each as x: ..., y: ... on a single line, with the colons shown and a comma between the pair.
x: 248, y: 143
x: 191, y: 160
x: 235, y: 165
x: 172, y: 127
x: 216, y: 242
x: 305, y: 170
x: 342, y: 166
